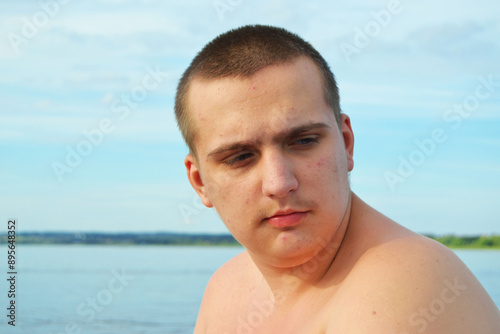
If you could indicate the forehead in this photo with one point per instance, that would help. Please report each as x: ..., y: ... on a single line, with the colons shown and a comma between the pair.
x: 289, y: 76
x: 269, y: 101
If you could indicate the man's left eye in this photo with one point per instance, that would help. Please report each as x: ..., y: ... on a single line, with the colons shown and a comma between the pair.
x: 307, y: 141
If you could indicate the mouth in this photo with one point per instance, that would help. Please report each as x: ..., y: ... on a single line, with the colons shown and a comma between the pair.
x: 282, y: 219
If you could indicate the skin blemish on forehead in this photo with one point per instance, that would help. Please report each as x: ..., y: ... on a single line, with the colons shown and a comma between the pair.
x: 251, y: 87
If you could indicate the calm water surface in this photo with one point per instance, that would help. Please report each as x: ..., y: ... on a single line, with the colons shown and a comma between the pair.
x: 137, y: 289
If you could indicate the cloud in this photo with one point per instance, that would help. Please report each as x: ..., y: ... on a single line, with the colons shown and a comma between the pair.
x: 464, y: 40
x: 65, y: 78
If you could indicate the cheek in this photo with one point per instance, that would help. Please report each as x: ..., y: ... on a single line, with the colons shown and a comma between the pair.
x: 217, y: 193
x: 323, y: 169
x: 326, y: 175
x: 231, y: 198
x: 326, y: 165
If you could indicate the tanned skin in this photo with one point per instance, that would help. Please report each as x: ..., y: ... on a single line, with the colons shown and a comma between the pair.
x: 274, y: 162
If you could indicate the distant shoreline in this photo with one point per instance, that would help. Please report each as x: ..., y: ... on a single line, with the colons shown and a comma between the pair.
x: 165, y: 238
x: 469, y: 242
x: 100, y: 238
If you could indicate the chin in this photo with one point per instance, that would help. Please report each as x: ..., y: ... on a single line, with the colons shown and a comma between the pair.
x: 291, y: 251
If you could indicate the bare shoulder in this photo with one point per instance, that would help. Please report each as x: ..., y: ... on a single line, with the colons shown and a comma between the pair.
x: 412, y: 284
x: 225, y: 290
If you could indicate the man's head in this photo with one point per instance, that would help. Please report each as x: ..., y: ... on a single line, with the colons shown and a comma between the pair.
x: 241, y: 53
x: 272, y: 157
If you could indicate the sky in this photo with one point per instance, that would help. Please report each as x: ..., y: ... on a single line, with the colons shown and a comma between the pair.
x: 88, y: 140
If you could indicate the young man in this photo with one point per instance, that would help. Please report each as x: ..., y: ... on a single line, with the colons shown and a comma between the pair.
x: 271, y: 151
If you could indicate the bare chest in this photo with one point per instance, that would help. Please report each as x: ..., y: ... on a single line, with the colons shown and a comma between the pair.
x: 263, y: 316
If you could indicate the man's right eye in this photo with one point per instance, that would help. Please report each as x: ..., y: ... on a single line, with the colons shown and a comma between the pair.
x: 237, y: 158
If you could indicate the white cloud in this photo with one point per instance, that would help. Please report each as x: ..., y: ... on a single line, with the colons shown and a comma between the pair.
x: 65, y: 77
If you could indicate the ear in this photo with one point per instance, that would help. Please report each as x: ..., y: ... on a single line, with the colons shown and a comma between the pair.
x: 194, y: 177
x: 348, y: 136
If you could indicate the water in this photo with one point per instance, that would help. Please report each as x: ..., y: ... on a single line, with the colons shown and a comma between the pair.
x: 136, y: 289
x: 77, y: 287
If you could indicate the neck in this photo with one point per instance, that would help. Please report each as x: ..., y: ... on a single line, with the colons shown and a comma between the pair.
x: 287, y: 284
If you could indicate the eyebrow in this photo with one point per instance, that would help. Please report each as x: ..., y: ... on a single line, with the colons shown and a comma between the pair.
x: 289, y: 133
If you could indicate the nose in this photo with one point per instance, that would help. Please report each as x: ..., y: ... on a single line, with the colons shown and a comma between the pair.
x: 278, y: 177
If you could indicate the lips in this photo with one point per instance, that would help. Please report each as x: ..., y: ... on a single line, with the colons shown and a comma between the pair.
x: 286, y: 218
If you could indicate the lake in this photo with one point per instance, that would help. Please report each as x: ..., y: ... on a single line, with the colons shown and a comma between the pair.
x: 136, y: 289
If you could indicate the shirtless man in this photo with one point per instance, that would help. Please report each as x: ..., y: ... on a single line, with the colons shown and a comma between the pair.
x: 271, y: 151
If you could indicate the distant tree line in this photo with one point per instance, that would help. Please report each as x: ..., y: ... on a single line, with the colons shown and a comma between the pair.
x: 482, y: 241
x: 95, y: 238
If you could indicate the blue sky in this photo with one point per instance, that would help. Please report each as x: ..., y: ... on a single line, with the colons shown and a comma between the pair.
x: 419, y: 79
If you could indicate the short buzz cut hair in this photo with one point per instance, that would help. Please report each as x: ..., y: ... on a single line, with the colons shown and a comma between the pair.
x: 241, y: 53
